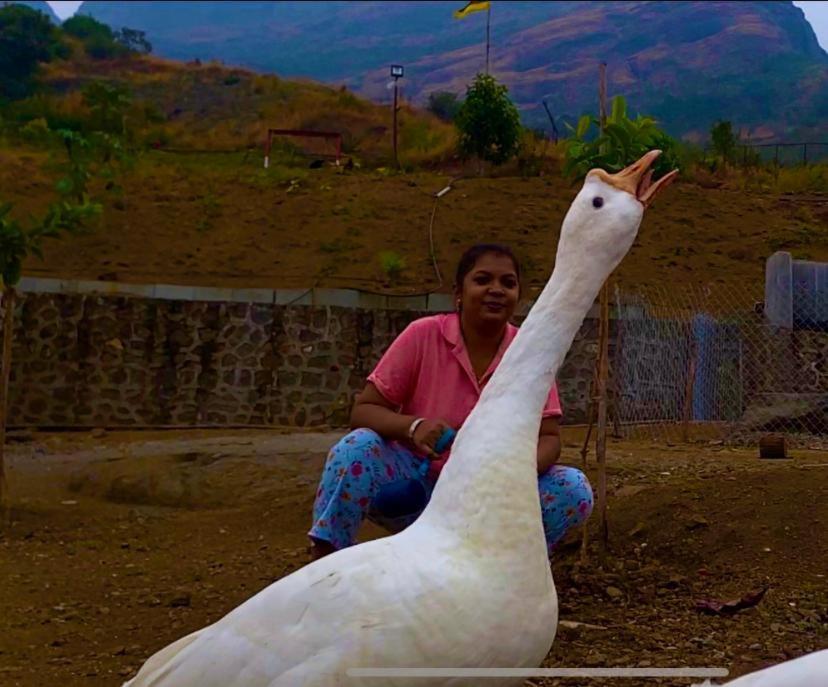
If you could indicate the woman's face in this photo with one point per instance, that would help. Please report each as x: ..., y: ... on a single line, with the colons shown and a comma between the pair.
x: 490, y: 291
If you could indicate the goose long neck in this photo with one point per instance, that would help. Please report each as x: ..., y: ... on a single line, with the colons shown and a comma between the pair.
x: 491, y: 477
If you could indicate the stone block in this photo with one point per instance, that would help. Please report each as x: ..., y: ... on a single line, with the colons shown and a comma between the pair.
x: 293, y: 297
x: 39, y: 285
x: 372, y: 301
x: 341, y: 298
x: 416, y: 303
x: 173, y: 292
x: 440, y: 302
x: 253, y: 296
x: 212, y: 294
x: 138, y: 290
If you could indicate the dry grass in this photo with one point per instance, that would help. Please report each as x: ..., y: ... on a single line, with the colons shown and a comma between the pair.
x: 223, y: 220
x: 212, y: 107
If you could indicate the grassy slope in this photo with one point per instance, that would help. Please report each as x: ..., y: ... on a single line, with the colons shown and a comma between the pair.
x: 208, y: 106
x: 223, y: 220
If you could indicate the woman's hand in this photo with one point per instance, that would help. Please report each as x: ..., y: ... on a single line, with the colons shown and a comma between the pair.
x: 427, y: 435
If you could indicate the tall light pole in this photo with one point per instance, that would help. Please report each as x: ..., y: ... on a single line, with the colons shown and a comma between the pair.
x: 397, y: 72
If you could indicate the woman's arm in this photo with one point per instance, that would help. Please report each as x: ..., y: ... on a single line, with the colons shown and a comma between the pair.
x: 373, y: 411
x: 549, y: 444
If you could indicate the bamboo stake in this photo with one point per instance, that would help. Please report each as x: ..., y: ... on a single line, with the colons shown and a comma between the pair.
x: 8, y: 336
x: 603, y: 357
x: 601, y: 433
x: 602, y: 368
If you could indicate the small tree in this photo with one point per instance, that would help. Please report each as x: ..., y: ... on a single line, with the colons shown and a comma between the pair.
x: 444, y: 104
x: 17, y: 242
x: 488, y: 122
x: 27, y: 37
x: 723, y: 140
x: 87, y: 157
x: 97, y: 38
x: 134, y: 40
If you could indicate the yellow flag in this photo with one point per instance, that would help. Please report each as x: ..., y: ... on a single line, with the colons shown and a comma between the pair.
x: 472, y: 6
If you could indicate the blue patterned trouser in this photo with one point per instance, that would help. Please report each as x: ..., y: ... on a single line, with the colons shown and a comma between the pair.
x: 363, y: 462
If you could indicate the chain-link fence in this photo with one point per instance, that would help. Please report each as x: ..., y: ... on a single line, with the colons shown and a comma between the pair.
x: 706, y: 363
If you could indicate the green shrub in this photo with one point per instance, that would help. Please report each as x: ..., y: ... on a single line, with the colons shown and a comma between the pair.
x: 622, y: 142
x: 444, y: 105
x: 27, y: 37
x: 99, y: 41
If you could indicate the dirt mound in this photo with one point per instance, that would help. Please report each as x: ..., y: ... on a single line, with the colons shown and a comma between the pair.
x: 186, y: 480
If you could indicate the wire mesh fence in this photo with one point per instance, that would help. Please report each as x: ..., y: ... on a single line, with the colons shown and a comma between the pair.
x: 705, y: 363
x: 782, y: 154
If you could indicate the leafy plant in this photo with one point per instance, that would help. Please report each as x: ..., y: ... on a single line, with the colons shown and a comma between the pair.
x: 69, y: 214
x: 488, y: 122
x: 91, y: 159
x: 622, y: 142
x: 108, y: 106
x: 444, y: 105
x: 392, y: 264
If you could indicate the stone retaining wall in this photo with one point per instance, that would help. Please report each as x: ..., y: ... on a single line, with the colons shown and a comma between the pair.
x: 91, y: 354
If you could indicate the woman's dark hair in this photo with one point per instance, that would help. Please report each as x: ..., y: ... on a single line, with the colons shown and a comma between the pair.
x: 469, y: 259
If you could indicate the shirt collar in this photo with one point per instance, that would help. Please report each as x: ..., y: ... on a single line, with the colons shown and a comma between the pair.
x: 450, y: 329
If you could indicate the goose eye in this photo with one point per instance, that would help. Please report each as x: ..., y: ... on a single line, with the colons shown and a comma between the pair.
x: 597, y: 202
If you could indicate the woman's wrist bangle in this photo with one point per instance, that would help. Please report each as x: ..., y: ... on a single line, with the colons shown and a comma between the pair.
x: 413, y: 427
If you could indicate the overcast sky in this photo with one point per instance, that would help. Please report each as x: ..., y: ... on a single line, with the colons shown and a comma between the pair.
x: 816, y: 12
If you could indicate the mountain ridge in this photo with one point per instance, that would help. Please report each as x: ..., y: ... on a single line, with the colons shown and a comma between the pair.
x: 687, y: 63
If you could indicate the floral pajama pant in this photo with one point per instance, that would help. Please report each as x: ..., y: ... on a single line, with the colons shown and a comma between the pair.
x: 363, y: 462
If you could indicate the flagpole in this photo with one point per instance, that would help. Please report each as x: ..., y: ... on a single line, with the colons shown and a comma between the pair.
x: 488, y: 23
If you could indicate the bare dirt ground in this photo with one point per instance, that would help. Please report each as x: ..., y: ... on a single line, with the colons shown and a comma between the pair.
x: 124, y: 542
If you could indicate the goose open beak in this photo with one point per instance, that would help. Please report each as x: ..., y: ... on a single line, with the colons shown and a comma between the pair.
x: 637, y: 179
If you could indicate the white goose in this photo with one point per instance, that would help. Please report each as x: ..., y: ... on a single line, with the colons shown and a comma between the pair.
x: 810, y: 670
x: 468, y: 584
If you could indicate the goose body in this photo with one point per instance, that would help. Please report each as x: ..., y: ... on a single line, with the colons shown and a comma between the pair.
x: 810, y: 670
x: 469, y: 583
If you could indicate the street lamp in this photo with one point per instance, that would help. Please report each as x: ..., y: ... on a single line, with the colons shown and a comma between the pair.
x: 397, y: 72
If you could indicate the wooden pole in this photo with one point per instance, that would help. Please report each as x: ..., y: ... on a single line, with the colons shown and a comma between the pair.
x: 488, y: 25
x: 602, y: 369
x: 601, y: 433
x: 396, y: 158
x: 8, y: 337
x: 593, y: 389
x: 603, y: 358
x: 615, y: 404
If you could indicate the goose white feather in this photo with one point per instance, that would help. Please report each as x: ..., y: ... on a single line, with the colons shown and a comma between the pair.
x: 468, y: 584
x: 810, y: 670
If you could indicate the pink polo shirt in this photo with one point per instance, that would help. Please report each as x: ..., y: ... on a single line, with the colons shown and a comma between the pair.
x: 427, y: 372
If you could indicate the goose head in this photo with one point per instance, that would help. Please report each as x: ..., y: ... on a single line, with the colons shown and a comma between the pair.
x: 603, y: 220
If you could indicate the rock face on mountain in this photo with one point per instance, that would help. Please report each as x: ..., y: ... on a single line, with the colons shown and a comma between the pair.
x: 688, y: 63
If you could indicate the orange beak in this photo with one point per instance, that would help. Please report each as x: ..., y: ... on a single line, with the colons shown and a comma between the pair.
x: 637, y: 179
